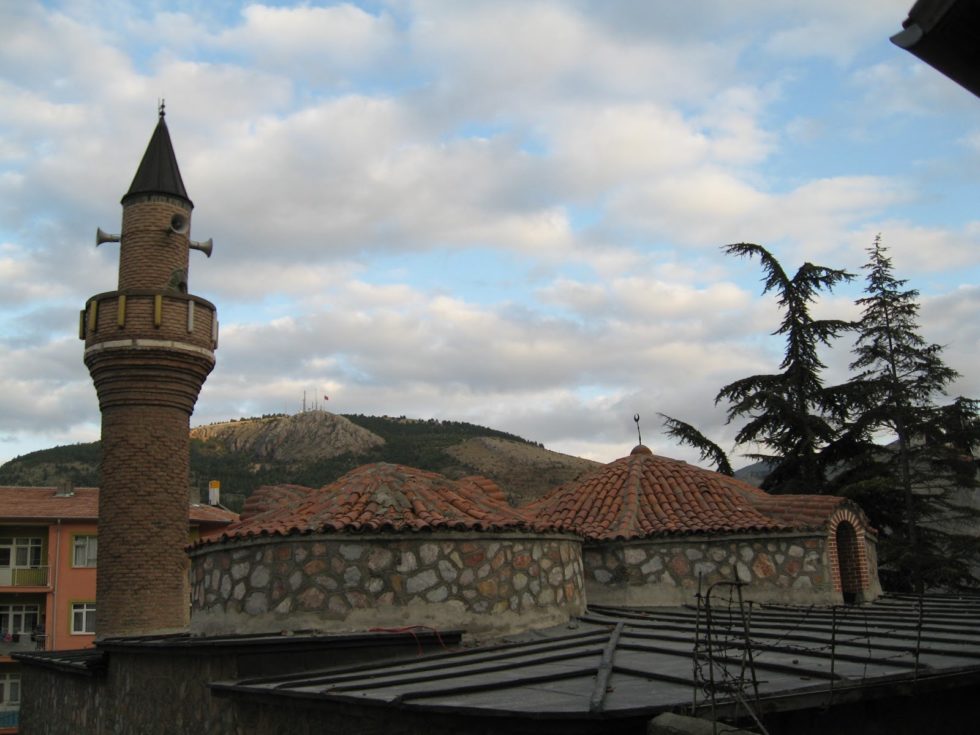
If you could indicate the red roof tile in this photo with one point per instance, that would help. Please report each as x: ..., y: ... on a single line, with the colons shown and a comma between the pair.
x: 382, y: 497
x: 645, y: 495
x: 44, y: 503
x: 268, y: 497
x: 211, y: 515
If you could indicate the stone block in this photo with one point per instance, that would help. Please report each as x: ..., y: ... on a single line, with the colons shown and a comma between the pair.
x: 428, y: 553
x: 421, y: 581
x: 351, y: 552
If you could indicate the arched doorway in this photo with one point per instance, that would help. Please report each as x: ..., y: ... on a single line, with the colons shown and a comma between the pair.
x: 849, y: 563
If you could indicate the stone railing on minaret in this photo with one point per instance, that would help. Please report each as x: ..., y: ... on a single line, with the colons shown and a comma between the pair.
x: 149, y: 346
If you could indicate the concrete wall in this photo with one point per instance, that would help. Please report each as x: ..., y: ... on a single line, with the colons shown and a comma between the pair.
x: 166, y: 691
x: 70, y: 585
x: 132, y: 698
x: 160, y: 693
x: 485, y: 583
x: 785, y: 568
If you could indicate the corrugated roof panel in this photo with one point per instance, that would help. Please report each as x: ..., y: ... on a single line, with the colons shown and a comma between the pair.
x: 803, y: 654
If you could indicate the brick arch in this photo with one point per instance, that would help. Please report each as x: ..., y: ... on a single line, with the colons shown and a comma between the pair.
x: 847, y: 554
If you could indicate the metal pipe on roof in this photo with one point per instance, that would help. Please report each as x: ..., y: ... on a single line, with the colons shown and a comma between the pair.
x: 596, y: 703
x: 53, y: 638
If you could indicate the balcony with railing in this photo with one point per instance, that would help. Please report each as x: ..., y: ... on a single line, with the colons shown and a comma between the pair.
x: 9, y: 718
x: 35, y: 576
x: 20, y: 642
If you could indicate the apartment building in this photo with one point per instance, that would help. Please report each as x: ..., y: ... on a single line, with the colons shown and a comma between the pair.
x: 48, y: 556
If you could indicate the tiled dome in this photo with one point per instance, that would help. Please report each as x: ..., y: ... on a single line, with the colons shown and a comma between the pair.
x: 645, y: 495
x: 382, y: 497
x: 268, y: 497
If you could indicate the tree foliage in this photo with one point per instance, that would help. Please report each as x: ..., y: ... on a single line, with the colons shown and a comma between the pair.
x: 786, y: 412
x: 919, y: 490
x: 684, y: 433
x: 898, y: 380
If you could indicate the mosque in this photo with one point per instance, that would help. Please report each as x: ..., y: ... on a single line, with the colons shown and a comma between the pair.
x: 387, y: 545
x: 385, y: 560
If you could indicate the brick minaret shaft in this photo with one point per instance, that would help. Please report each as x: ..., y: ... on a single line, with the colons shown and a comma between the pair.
x: 149, y: 346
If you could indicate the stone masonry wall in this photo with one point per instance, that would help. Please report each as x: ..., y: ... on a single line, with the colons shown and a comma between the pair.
x: 484, y: 583
x: 789, y: 568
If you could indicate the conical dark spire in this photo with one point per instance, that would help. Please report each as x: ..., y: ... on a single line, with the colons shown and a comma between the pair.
x: 158, y: 172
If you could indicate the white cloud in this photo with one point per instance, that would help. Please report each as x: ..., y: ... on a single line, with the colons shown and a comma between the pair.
x: 923, y: 252
x: 906, y: 86
x: 837, y: 30
x: 543, y: 52
x: 326, y: 44
x: 567, y: 171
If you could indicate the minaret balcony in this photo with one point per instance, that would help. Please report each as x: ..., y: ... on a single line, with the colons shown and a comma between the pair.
x: 138, y: 318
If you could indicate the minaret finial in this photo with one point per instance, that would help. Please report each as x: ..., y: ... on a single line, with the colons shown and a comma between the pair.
x: 636, y: 418
x: 163, y: 108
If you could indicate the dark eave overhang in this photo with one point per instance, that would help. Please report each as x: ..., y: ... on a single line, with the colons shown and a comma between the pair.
x: 946, y: 35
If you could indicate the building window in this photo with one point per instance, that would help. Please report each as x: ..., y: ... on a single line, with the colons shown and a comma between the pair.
x: 20, y: 553
x: 9, y: 690
x: 19, y: 619
x: 86, y: 550
x: 83, y: 617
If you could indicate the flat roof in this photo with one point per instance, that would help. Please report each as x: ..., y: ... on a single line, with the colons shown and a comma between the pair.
x: 619, y: 663
x: 95, y: 661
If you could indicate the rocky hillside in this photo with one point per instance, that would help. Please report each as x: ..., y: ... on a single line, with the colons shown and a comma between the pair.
x: 530, y: 470
x: 306, y: 437
x: 316, y: 447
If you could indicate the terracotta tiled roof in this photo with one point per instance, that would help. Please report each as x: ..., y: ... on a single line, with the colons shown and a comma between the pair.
x: 646, y: 495
x: 44, y: 503
x: 486, y: 486
x: 385, y: 497
x: 802, y: 511
x: 211, y: 515
x: 268, y: 497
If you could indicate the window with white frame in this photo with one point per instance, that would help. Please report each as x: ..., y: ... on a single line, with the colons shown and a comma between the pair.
x: 20, y: 553
x: 18, y: 619
x: 82, y: 617
x: 9, y: 690
x: 85, y: 551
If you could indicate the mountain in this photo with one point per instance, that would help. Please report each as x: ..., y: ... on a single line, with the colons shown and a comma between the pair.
x: 314, y: 448
x: 524, y: 471
x: 755, y: 473
x: 305, y: 437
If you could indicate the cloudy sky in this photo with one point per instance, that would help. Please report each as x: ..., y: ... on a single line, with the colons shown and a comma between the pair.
x: 509, y: 213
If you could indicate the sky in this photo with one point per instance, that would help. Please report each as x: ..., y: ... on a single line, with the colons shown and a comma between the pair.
x: 505, y: 212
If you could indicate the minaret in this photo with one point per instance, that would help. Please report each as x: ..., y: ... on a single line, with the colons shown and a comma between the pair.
x: 149, y: 346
